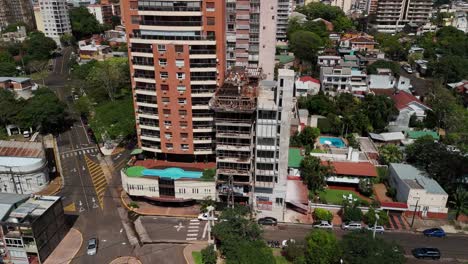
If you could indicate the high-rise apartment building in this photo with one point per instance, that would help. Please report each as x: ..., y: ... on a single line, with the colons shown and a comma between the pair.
x: 393, y: 15
x: 285, y: 8
x: 251, y: 34
x: 177, y: 60
x: 55, y: 17
x: 15, y: 11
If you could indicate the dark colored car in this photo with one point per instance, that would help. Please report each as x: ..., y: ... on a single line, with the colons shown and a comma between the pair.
x: 432, y: 253
x: 268, y: 221
x: 434, y: 232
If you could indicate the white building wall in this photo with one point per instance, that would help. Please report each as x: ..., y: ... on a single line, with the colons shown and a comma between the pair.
x: 31, y: 177
x: 55, y: 18
x: 97, y: 12
x: 267, y: 37
x: 139, y: 186
x: 344, y: 5
x: 198, y: 190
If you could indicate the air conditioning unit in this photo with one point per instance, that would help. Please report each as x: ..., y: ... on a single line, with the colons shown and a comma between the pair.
x: 165, y: 104
x: 168, y: 127
x: 166, y: 115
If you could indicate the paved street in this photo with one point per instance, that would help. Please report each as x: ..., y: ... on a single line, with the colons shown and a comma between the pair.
x: 171, y: 228
x: 453, y: 246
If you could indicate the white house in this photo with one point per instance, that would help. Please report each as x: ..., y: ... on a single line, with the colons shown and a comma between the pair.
x: 415, y: 188
x: 407, y: 105
x: 306, y: 85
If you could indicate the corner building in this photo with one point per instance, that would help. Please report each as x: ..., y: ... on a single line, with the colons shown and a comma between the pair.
x: 177, y: 60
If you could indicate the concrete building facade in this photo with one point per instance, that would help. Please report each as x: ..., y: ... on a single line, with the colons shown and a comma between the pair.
x: 102, y: 12
x: 177, y: 60
x: 55, y: 17
x: 16, y: 11
x: 285, y: 9
x: 392, y: 16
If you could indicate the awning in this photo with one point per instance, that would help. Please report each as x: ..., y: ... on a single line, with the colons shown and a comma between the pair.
x: 136, y: 151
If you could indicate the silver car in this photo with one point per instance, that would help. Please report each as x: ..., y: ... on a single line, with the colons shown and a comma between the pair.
x: 92, y: 246
x: 378, y: 229
x: 323, y: 224
x: 351, y: 226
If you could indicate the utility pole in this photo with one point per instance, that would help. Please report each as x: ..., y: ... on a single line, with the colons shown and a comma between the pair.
x: 210, y: 219
x: 230, y: 198
x: 12, y: 179
x: 414, y: 213
x: 375, y: 224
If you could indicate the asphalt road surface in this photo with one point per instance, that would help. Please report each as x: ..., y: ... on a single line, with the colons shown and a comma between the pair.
x: 175, y: 229
x: 451, y: 247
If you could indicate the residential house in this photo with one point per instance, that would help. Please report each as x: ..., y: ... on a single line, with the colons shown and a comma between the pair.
x: 385, y: 83
x: 461, y: 88
x: 343, y: 79
x: 357, y: 41
x: 345, y: 172
x: 407, y: 105
x: 420, y: 192
x: 22, y: 87
x: 17, y: 36
x: 387, y: 138
x: 329, y: 25
x: 306, y: 85
x: 460, y: 21
x: 94, y: 51
x: 328, y: 60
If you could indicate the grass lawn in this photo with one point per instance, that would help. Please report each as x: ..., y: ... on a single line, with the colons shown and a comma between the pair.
x: 197, y: 257
x: 281, y: 260
x: 333, y: 196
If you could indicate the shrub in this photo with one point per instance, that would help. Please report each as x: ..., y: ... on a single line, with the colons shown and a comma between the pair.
x: 133, y: 205
x: 365, y: 187
x: 323, y: 215
x: 352, y: 214
x: 369, y: 217
x: 294, y: 251
x: 364, y: 203
x: 391, y: 192
x: 209, y: 255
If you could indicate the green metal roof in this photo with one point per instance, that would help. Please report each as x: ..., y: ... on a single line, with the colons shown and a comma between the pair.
x: 295, y: 158
x: 418, y: 134
x: 284, y: 58
x: 135, y: 171
x: 136, y: 151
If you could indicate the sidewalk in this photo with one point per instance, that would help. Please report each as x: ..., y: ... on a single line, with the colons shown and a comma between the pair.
x: 67, y: 249
x: 125, y: 260
x: 149, y: 209
x: 191, y: 248
x: 53, y: 188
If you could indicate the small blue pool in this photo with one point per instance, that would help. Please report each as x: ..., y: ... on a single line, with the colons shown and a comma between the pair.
x: 172, y: 173
x: 333, y: 141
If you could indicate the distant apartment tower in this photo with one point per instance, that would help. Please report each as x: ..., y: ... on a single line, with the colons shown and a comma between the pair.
x: 251, y: 34
x: 102, y: 12
x: 285, y: 8
x: 344, y: 5
x: 15, y: 11
x: 38, y: 18
x: 55, y: 17
x: 177, y: 60
x: 393, y: 15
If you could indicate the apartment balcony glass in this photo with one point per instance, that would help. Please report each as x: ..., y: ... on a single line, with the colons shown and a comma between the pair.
x: 171, y: 21
x: 144, y: 74
x: 170, y: 35
x: 203, y: 63
x: 143, y: 61
x: 147, y: 110
x: 203, y: 76
x: 143, y: 98
x: 143, y: 48
x: 148, y: 122
x: 179, y: 6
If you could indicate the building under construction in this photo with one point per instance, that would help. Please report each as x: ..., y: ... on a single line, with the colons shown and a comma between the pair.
x: 234, y: 105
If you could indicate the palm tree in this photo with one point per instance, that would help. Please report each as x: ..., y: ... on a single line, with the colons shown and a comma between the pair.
x: 390, y: 154
x: 460, y: 200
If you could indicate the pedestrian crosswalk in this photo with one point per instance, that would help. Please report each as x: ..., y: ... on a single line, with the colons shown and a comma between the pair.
x: 79, y: 152
x: 193, y: 229
x: 98, y: 178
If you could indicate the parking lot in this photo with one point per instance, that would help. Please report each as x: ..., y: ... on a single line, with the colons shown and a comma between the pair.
x: 175, y: 229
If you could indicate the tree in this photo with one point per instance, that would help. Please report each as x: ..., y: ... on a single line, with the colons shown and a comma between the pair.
x: 315, y: 10
x: 209, y: 174
x: 38, y: 69
x: 38, y: 47
x: 294, y: 252
x: 306, y: 137
x: 390, y: 154
x: 44, y: 111
x: 460, y: 200
x: 365, y: 187
x: 114, y: 120
x: 322, y: 215
x: 67, y: 39
x: 111, y: 75
x: 321, y: 247
x: 305, y: 45
x: 319, y: 104
x: 115, y: 21
x: 207, y: 201
x: 352, y: 213
x: 313, y: 173
x: 385, y: 64
x: 361, y: 248
x: 342, y: 23
x: 7, y: 69
x: 450, y: 68
x: 392, y: 46
x: 209, y: 255
x: 9, y: 107
x: 369, y: 217
x: 83, y: 23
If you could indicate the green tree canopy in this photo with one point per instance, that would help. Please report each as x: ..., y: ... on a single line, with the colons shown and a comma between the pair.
x: 314, y: 174
x: 319, y: 10
x: 321, y: 247
x: 386, y: 64
x: 392, y: 46
x: 390, y: 154
x: 9, y: 107
x: 108, y: 77
x: 38, y: 47
x: 360, y: 248
x: 306, y: 137
x: 209, y: 255
x: 305, y: 45
x: 369, y: 217
x: 83, y: 23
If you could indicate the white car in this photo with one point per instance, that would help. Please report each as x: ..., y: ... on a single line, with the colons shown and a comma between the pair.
x: 206, y: 217
x: 351, y: 226
x: 287, y: 241
x: 323, y: 224
x: 378, y: 229
x: 92, y: 247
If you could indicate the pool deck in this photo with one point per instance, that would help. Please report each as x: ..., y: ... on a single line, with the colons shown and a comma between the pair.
x: 157, y: 164
x: 320, y: 145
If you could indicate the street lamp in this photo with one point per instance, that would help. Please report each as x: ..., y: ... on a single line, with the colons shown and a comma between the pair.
x: 375, y: 224
x: 210, y: 210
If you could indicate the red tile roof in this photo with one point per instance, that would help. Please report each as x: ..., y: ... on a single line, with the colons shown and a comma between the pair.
x: 364, y: 169
x: 402, y: 99
x: 308, y: 79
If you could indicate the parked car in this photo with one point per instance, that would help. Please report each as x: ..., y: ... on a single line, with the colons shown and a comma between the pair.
x: 92, y: 246
x: 26, y: 134
x: 378, y: 229
x: 351, y: 226
x: 434, y: 232
x: 268, y: 221
x: 432, y: 253
x: 408, y: 69
x: 286, y: 242
x: 206, y: 217
x: 323, y: 224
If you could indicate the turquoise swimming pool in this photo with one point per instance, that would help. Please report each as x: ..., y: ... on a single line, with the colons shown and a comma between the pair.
x: 333, y: 141
x: 172, y: 173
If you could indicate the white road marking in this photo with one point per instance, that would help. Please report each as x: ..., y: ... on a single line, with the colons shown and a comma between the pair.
x: 191, y: 238
x: 192, y: 235
x: 194, y: 220
x: 205, y: 230
x: 194, y: 223
x: 179, y: 227
x: 193, y: 230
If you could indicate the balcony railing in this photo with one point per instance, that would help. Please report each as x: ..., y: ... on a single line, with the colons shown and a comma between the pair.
x: 142, y: 50
x: 169, y: 8
x: 202, y: 51
x: 138, y: 36
x: 147, y: 76
x: 171, y: 23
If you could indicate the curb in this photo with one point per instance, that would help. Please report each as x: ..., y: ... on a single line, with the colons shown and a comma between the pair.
x: 81, y: 244
x: 127, y: 259
x: 148, y: 214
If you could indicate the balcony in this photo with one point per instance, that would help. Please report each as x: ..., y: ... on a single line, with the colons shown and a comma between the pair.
x: 141, y: 50
x: 202, y: 51
x: 233, y: 146
x: 171, y: 23
x: 168, y: 8
x: 163, y: 37
x: 150, y: 137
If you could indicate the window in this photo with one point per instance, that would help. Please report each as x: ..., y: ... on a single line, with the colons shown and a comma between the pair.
x: 184, y: 146
x: 135, y: 19
x: 164, y: 75
x: 184, y: 135
x: 279, y: 201
x: 169, y: 146
x: 161, y: 48
x: 168, y: 135
x: 194, y: 190
x: 167, y: 122
x: 163, y: 62
x: 183, y: 112
x: 180, y: 75
x: 181, y: 88
x: 183, y: 124
x: 210, y: 6
x: 182, y: 101
x: 165, y: 100
x: 164, y: 87
x: 179, y: 63
x: 167, y: 111
x: 179, y: 48
x: 152, y: 189
x: 210, y: 21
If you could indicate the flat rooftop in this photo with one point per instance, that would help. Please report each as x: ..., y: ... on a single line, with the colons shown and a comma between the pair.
x: 172, y: 173
x: 21, y: 149
x: 32, y: 208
